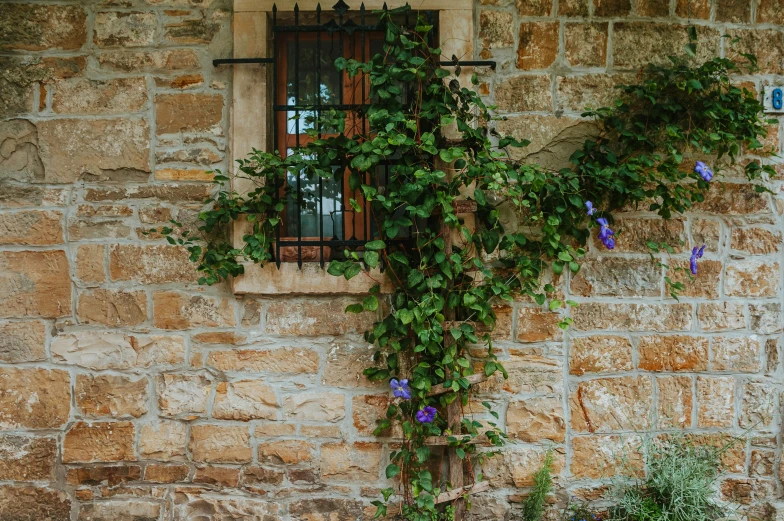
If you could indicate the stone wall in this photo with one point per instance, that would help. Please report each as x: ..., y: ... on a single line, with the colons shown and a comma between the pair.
x: 129, y: 392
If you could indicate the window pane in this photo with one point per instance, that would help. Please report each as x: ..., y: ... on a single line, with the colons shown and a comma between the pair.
x: 330, y: 209
x: 311, y: 79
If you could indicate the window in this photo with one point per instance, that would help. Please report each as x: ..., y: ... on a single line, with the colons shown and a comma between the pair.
x: 274, y: 105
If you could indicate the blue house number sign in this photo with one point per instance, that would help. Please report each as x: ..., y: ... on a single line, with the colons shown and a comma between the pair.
x: 773, y: 101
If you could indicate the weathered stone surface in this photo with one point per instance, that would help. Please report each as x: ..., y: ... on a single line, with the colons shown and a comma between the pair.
x: 22, y: 341
x: 573, y: 8
x: 576, y: 93
x: 32, y: 398
x: 38, y: 27
x: 35, y: 284
x: 612, y: 404
x: 536, y: 419
x: 20, y: 158
x: 601, y: 456
x: 32, y: 196
x: 673, y: 353
x: 85, y: 229
x: 285, y: 452
x: 187, y: 112
x: 163, y: 440
x: 515, y: 467
x: 151, y: 264
x: 245, y: 400
x: 198, y: 30
x: 31, y: 228
x: 721, y: 316
x: 166, y: 473
x: 99, y: 441
x: 553, y: 138
x: 124, y: 29
x: 315, y: 317
x: 368, y: 408
x: 282, y: 360
x: 528, y: 373
x: 612, y: 7
x: 94, y: 350
x: 82, y: 96
x: 33, y: 504
x: 703, y: 285
x: 675, y: 401
x: 766, y: 318
x: 27, y: 458
x: 322, y: 509
x: 586, y: 44
x: 538, y: 45
x: 496, y: 29
x: 636, y: 44
x: 738, y: 11
x: 121, y: 510
x: 600, y: 354
x: 538, y: 325
x: 112, y: 307
x: 758, y: 405
x: 220, y: 476
x: 345, y: 363
x: 111, y: 395
x: 632, y: 317
x: 636, y: 232
x: 182, y: 393
x: 733, y: 199
x: 653, y: 8
x: 736, y: 354
x: 762, y: 463
x: 204, y: 156
x: 111, y: 475
x: 178, y: 174
x: 611, y: 276
x: 220, y: 444
x: 89, y: 262
x: 769, y: 11
x: 185, y: 81
x: 524, y: 93
x: 315, y: 406
x: 218, y: 507
x: 93, y: 149
x: 175, y: 310
x: 752, y: 278
x: 356, y: 462
x: 756, y: 241
x: 149, y: 61
x: 700, y: 9
x: 715, y: 399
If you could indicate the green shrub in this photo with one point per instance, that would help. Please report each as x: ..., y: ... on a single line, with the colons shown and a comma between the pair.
x: 533, y: 506
x: 680, y: 484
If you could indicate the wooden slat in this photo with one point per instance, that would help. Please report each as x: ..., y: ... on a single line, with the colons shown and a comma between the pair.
x: 455, y: 493
x: 310, y: 5
x: 444, y: 440
x: 473, y: 380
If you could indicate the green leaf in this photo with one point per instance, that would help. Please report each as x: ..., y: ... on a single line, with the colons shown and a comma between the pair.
x: 354, y: 308
x: 375, y: 245
x: 370, y: 303
x: 555, y: 304
x: 371, y: 258
x: 405, y: 316
x: 392, y: 470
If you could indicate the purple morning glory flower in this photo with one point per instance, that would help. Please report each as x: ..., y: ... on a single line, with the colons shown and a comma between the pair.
x: 400, y: 388
x: 704, y: 170
x: 590, y: 208
x: 696, y: 253
x: 426, y: 415
x: 605, y: 233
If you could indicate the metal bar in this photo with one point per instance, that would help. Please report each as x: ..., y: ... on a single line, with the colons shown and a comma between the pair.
x: 318, y: 122
x: 468, y: 63
x: 232, y: 61
x: 296, y: 127
x: 279, y: 183
x: 316, y: 107
x: 323, y: 27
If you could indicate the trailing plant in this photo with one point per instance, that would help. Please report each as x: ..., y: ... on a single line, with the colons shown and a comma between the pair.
x: 657, y: 147
x: 679, y: 485
x: 534, y: 504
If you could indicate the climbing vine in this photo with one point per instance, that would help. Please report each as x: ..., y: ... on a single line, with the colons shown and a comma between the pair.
x: 657, y: 147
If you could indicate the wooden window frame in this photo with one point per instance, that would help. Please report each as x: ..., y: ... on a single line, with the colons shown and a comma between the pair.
x: 252, y: 103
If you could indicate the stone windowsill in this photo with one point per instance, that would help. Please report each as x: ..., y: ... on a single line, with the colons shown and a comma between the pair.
x: 310, y: 280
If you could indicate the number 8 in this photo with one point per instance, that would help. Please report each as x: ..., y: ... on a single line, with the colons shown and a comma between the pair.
x: 778, y: 99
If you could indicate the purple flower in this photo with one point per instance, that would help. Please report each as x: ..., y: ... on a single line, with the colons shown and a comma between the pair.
x: 696, y: 253
x: 605, y: 233
x: 426, y: 415
x: 400, y: 388
x: 704, y: 170
x: 590, y: 208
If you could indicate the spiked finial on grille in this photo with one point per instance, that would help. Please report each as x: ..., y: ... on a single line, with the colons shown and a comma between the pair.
x: 340, y: 7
